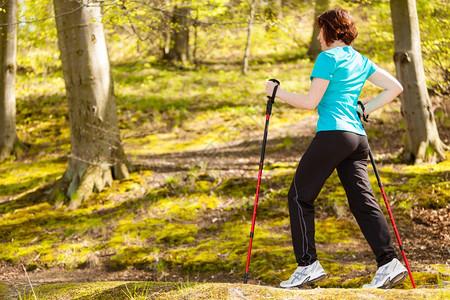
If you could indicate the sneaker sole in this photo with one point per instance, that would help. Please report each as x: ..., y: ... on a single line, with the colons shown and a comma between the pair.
x: 307, y: 282
x: 396, y: 280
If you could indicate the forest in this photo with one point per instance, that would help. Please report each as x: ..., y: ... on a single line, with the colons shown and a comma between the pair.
x: 130, y: 144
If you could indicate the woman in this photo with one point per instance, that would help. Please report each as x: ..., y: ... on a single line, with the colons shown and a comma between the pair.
x: 340, y: 143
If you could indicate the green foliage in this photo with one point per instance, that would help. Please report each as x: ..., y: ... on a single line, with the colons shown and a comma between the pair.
x: 37, y: 44
x: 434, y: 25
x: 375, y: 35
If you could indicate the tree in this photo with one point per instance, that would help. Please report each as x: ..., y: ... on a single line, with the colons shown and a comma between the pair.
x: 423, y: 143
x: 249, y: 37
x: 97, y: 156
x: 314, y: 45
x: 8, y: 50
x: 179, y: 36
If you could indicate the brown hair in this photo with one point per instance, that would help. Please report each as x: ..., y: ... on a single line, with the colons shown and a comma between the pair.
x: 337, y: 24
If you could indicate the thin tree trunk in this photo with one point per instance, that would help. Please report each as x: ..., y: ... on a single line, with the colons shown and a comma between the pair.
x: 314, y: 46
x: 194, y: 51
x: 249, y: 37
x: 97, y: 155
x: 166, y: 31
x: 423, y: 143
x: 8, y: 52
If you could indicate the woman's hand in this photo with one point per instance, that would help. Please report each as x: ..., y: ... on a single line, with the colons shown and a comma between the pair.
x: 270, y: 85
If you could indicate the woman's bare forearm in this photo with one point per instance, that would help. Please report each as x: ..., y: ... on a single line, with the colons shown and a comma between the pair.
x: 307, y: 101
x: 392, y: 88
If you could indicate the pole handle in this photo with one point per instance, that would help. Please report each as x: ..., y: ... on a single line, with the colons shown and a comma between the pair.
x: 272, y: 98
x: 274, y: 80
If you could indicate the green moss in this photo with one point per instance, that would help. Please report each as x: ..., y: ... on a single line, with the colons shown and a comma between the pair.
x: 203, y: 186
x: 177, y: 234
x: 355, y: 283
x: 31, y: 267
x: 138, y: 256
x: 76, y: 290
x: 32, y: 175
x: 335, y: 231
x: 424, y: 186
x: 240, y: 187
x: 281, y: 166
x: 186, y: 290
x: 199, y: 258
x: 285, y: 144
x: 329, y: 282
x: 185, y: 208
x: 212, y: 228
x: 421, y: 279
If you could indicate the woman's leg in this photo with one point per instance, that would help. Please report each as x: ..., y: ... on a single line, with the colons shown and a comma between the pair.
x: 355, y: 179
x: 324, y: 153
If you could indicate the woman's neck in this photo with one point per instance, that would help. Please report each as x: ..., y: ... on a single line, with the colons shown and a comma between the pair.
x: 337, y: 43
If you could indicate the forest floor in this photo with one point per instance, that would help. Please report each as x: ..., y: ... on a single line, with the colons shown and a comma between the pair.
x: 182, y: 220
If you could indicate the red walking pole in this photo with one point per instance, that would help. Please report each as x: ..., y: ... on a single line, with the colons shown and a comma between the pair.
x: 270, y: 101
x: 380, y: 184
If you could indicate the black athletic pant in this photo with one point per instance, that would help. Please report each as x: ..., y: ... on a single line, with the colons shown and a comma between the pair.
x: 347, y: 152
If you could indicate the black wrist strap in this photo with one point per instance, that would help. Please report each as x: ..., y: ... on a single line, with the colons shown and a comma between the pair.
x: 364, y: 116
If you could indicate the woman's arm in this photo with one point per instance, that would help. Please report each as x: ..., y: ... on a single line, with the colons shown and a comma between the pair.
x: 392, y: 88
x: 308, y: 101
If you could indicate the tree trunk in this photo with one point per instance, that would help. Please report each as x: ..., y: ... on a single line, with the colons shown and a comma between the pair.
x: 179, y: 44
x: 97, y: 156
x: 314, y: 46
x: 8, y: 51
x: 166, y: 32
x: 195, y: 47
x: 422, y: 138
x: 249, y: 37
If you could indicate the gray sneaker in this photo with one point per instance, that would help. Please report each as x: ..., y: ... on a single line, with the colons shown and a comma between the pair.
x: 388, y: 275
x: 305, y: 275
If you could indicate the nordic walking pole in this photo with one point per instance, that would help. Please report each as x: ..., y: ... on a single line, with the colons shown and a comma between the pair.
x: 380, y: 184
x: 270, y: 101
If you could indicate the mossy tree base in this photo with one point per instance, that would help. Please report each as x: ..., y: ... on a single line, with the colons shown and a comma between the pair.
x: 81, y: 179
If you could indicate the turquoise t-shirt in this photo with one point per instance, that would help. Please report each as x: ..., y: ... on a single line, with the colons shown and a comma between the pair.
x: 347, y: 70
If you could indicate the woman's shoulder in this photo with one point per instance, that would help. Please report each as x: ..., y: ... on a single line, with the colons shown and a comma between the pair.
x: 338, y: 52
x: 344, y: 54
x: 327, y: 55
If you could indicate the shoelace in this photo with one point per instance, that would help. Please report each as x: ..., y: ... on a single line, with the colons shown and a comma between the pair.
x: 381, y: 274
x: 299, y: 275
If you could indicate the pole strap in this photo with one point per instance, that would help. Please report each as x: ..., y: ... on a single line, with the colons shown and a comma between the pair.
x: 364, y: 116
